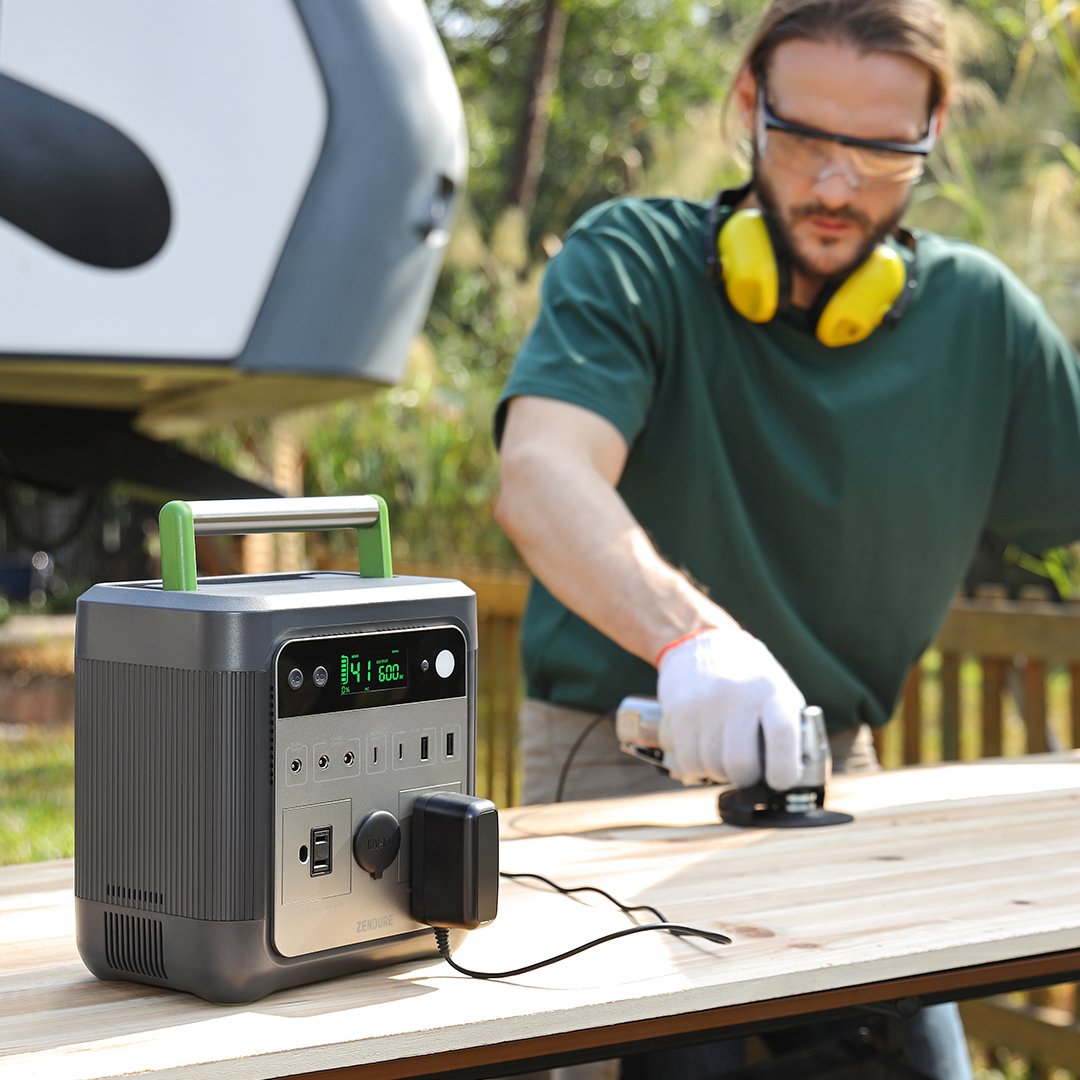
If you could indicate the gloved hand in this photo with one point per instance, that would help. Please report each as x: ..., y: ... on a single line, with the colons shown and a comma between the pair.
x: 716, y: 689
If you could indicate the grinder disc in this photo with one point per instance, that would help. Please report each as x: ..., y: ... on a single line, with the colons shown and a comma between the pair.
x: 759, y: 806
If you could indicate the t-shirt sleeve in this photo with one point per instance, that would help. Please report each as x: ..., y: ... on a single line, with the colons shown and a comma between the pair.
x: 1036, y: 501
x: 596, y: 340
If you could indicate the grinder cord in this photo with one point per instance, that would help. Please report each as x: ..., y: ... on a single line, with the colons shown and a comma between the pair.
x: 560, y: 787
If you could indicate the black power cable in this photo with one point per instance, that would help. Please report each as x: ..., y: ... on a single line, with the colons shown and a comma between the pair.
x: 442, y: 939
x: 560, y: 787
x: 442, y: 934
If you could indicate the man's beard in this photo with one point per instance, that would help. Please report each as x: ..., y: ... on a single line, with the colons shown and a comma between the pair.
x: 783, y: 225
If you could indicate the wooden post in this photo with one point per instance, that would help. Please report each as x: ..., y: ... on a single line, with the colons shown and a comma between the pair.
x: 912, y: 717
x: 993, y: 684
x: 950, y: 706
x: 1035, y: 705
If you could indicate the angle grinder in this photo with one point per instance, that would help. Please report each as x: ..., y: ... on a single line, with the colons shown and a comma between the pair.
x: 637, y: 727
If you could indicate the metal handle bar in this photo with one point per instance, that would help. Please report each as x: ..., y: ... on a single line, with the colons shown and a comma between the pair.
x: 180, y: 522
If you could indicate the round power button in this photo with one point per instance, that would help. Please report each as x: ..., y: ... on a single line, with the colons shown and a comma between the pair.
x: 444, y: 664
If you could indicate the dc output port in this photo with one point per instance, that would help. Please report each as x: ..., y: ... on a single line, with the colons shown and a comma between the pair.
x: 295, y: 765
x: 349, y: 758
x: 324, y: 762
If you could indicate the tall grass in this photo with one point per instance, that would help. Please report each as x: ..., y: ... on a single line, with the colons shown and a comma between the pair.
x: 37, y: 793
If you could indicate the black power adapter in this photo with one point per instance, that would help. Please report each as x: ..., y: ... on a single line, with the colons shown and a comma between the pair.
x: 455, y: 879
x: 455, y: 860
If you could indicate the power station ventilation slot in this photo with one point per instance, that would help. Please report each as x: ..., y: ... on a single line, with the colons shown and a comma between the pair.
x: 126, y: 892
x: 135, y: 945
x: 273, y: 739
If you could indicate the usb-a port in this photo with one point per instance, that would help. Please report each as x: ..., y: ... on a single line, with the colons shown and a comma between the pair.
x: 425, y: 750
x: 322, y: 850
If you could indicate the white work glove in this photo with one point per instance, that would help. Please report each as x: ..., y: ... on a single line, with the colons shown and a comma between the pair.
x: 716, y: 689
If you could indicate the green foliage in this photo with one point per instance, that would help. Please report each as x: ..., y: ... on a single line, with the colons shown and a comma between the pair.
x: 37, y: 794
x: 426, y: 446
x: 1060, y: 567
x: 1006, y: 175
x: 631, y: 72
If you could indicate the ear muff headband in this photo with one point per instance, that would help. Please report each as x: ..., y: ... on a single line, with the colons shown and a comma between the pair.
x: 756, y: 282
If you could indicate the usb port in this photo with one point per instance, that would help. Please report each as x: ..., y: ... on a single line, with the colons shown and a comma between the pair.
x: 449, y: 744
x: 322, y: 850
x: 424, y: 752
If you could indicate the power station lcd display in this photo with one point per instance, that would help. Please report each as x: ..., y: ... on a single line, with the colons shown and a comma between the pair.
x: 386, y: 670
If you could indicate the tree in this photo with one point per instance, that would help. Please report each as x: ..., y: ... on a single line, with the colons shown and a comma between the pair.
x: 630, y: 74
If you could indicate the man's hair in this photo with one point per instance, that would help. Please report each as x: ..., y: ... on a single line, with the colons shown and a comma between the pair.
x: 911, y: 28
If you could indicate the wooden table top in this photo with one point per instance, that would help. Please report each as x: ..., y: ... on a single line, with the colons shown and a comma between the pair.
x: 950, y: 877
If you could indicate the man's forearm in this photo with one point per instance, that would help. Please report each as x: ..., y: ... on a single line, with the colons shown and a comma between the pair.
x: 578, y: 538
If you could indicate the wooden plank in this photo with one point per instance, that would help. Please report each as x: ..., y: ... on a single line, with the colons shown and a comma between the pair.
x: 913, y: 716
x: 993, y: 685
x: 1034, y: 681
x: 515, y: 695
x: 950, y: 706
x: 1074, y: 704
x: 1007, y: 627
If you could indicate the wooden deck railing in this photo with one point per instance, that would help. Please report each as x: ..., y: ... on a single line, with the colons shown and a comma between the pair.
x: 1003, y: 678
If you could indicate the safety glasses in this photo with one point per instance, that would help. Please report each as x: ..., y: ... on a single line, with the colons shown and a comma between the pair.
x: 815, y: 154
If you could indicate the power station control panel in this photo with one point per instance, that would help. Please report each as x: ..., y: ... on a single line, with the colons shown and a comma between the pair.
x: 364, y: 723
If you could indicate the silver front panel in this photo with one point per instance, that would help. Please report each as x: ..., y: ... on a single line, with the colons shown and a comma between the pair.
x: 370, y: 722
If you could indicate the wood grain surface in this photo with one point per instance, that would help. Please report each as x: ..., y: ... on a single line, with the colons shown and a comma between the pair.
x: 955, y: 872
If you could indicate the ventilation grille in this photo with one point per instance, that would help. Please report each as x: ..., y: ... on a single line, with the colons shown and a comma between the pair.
x: 135, y: 945
x: 142, y: 896
x: 172, y: 796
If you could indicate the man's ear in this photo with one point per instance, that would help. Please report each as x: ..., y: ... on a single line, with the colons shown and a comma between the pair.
x: 745, y: 92
x: 940, y: 113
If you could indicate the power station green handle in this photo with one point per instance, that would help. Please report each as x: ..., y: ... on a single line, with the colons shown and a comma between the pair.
x: 180, y: 522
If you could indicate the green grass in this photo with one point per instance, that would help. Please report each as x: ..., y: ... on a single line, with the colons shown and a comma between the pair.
x: 37, y: 794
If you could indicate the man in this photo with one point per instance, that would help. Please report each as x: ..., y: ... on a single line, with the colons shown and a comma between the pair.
x: 742, y: 496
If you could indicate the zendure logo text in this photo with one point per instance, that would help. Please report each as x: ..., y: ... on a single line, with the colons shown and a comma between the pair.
x: 380, y: 922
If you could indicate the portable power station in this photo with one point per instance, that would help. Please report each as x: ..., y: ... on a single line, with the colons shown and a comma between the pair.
x: 248, y: 750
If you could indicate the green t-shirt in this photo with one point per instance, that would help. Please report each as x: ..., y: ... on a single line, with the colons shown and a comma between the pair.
x: 830, y: 499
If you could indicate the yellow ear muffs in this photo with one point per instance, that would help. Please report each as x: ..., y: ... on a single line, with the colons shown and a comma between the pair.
x: 860, y: 304
x: 756, y: 282
x: 748, y: 265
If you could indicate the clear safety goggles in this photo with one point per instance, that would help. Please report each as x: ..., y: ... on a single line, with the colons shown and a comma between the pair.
x: 816, y: 155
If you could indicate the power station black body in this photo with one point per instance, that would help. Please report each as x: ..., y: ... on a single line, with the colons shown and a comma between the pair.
x: 248, y: 750
x: 637, y: 725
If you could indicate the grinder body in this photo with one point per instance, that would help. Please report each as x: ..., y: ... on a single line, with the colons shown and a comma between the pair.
x: 639, y: 729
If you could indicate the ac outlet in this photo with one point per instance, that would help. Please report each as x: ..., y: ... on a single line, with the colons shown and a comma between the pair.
x: 300, y: 828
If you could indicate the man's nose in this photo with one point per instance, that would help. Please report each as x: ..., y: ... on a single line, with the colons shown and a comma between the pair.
x: 836, y: 184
